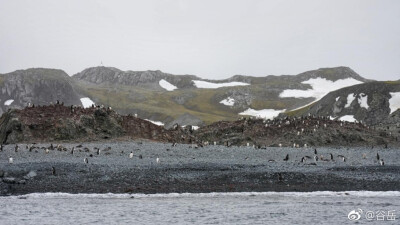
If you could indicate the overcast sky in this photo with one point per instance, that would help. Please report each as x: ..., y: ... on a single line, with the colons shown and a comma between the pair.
x: 212, y: 39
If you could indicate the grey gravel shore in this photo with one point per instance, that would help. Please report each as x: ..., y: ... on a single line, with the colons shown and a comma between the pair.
x: 185, y: 169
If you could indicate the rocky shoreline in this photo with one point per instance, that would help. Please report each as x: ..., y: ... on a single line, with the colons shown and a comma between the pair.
x: 184, y: 168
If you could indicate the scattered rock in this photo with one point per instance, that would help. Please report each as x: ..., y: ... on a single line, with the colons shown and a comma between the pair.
x: 30, y: 175
x: 21, y: 182
x: 9, y: 180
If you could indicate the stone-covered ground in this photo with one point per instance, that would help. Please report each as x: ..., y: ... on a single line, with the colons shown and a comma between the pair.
x: 184, y: 168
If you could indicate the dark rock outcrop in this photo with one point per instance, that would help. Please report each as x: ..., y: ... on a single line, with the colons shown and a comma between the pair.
x: 186, y: 119
x: 61, y: 123
x: 294, y: 131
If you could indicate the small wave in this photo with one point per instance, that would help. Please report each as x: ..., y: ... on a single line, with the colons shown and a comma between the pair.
x: 212, y: 194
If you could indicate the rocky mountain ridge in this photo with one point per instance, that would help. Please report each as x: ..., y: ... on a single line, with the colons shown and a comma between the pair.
x: 368, y: 102
x: 141, y: 92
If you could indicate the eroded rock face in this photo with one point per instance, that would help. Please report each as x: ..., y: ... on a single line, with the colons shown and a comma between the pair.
x: 377, y: 95
x: 36, y: 86
x: 110, y: 75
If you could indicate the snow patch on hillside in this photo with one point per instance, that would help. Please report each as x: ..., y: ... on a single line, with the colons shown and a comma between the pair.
x: 320, y: 87
x: 263, y: 113
x: 350, y: 99
x: 87, y: 102
x: 167, y: 85
x: 206, y: 84
x: 158, y: 123
x: 194, y: 127
x: 394, y: 101
x: 228, y: 101
x: 348, y: 118
x: 8, y: 102
x: 363, y: 100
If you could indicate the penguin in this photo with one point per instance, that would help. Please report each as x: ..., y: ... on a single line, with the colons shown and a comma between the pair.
x: 131, y: 155
x: 72, y: 150
x: 280, y: 177
x: 316, y: 158
x: 47, y: 151
x: 174, y: 144
x: 98, y: 151
x: 315, y: 151
x: 280, y: 145
x: 16, y: 148
x: 53, y: 171
x: 286, y: 158
x: 158, y: 160
x: 377, y: 156
x: 86, y: 160
x: 381, y: 162
x: 331, y: 156
x: 10, y: 160
x: 140, y: 157
x: 303, y: 160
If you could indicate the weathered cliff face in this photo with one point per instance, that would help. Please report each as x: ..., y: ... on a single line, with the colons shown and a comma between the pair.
x: 113, y: 76
x: 368, y: 102
x: 36, y: 86
x: 62, y: 123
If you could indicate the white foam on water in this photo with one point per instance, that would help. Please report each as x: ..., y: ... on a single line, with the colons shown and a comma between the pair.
x: 206, y: 84
x: 212, y: 194
x: 167, y: 85
x: 87, y: 102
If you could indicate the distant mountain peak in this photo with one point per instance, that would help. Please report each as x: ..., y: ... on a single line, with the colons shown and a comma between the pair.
x: 333, y: 74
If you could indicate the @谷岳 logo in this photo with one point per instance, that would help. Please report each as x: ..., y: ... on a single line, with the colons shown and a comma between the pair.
x: 355, y: 214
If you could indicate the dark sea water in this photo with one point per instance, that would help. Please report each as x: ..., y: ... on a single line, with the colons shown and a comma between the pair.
x: 210, y: 208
